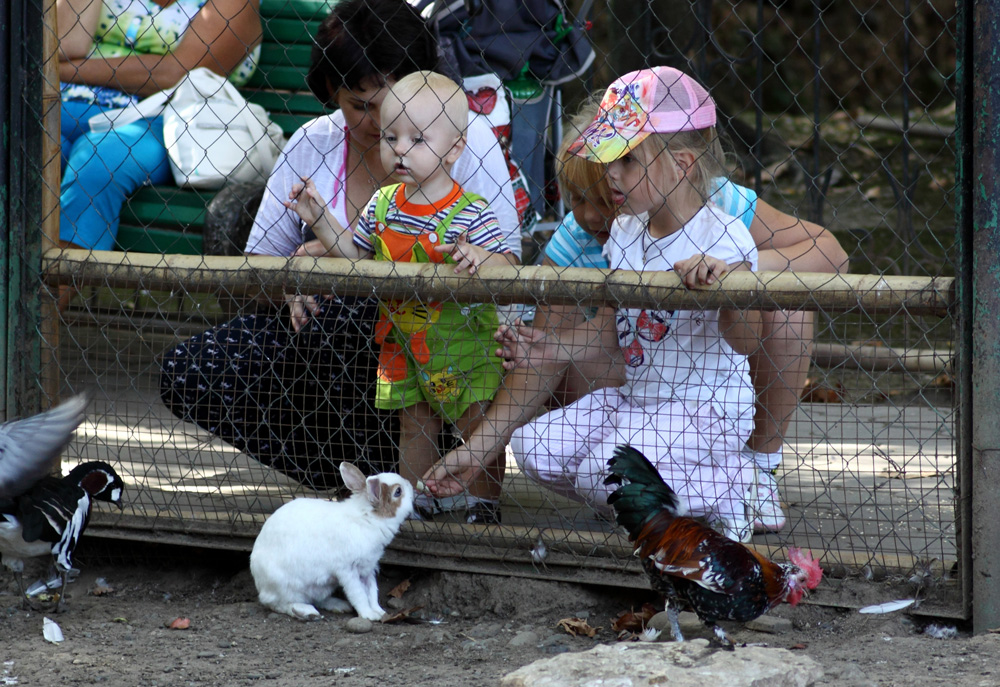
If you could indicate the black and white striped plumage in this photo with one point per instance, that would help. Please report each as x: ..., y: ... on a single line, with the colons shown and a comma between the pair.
x: 51, y: 516
x: 29, y: 448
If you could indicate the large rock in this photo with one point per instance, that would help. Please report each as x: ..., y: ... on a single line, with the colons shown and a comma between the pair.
x: 688, y: 664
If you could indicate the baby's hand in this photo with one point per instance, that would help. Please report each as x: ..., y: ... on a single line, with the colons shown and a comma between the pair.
x: 465, y: 254
x: 300, y: 308
x: 700, y: 270
x: 520, y: 345
x: 306, y: 201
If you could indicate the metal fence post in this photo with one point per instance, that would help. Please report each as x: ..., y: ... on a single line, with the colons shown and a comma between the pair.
x: 21, y: 37
x: 6, y: 137
x: 980, y: 327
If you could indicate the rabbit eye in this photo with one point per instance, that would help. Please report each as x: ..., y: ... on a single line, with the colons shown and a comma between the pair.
x: 398, y: 492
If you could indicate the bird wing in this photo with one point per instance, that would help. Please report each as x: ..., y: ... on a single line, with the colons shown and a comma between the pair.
x: 689, y: 550
x: 57, y: 512
x: 47, y: 506
x: 73, y: 527
x: 30, y: 447
x: 703, y: 571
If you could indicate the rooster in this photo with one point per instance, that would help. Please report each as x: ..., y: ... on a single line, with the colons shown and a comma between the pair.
x: 50, y: 517
x: 687, y: 561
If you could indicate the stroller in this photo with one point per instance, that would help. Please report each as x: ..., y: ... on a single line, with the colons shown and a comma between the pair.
x: 512, y: 56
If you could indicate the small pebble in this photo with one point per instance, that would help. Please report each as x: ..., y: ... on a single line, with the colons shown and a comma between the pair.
x: 526, y: 638
x: 689, y: 622
x: 358, y: 626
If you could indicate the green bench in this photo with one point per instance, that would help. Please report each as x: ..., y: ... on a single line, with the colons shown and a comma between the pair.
x: 167, y: 219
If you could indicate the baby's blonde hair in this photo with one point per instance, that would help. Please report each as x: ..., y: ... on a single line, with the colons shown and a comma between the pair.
x: 454, y: 102
x: 578, y: 175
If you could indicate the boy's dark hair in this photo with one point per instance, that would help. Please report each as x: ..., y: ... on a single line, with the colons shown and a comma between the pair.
x: 363, y: 39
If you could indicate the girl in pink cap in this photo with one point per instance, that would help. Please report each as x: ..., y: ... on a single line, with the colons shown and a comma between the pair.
x: 687, y: 402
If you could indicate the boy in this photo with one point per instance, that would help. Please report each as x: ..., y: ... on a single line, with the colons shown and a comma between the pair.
x: 436, y: 362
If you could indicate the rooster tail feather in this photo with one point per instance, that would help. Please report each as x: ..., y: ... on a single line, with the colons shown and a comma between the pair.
x: 641, y: 494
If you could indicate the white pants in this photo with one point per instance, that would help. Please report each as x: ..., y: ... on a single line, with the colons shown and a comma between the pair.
x: 695, y: 450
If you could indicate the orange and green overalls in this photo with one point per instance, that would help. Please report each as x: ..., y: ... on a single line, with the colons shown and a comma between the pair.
x: 438, y: 352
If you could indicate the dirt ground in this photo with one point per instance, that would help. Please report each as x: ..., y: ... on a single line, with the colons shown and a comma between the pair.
x: 471, y: 630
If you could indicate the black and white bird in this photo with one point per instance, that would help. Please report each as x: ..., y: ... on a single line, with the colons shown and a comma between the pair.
x: 50, y: 517
x: 29, y: 448
x: 47, y: 515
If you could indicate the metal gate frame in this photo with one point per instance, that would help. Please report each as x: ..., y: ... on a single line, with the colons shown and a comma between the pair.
x: 29, y: 108
x: 978, y: 221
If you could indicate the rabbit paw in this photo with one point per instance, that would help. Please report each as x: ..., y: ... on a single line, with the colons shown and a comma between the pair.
x: 374, y: 614
x: 304, y: 611
x: 336, y: 605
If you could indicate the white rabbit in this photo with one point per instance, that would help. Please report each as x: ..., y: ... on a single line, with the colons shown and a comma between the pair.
x: 309, y: 547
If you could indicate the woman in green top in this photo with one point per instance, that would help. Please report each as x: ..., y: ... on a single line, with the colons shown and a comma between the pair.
x: 113, y: 53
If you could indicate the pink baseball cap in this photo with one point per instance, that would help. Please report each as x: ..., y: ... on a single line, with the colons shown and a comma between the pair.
x: 661, y: 100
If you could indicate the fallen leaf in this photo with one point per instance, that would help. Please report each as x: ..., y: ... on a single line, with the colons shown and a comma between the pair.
x: 943, y: 380
x: 633, y: 621
x: 400, y: 589
x: 101, y: 590
x: 179, y: 624
x: 401, y: 616
x: 577, y: 627
x: 940, y: 183
x: 798, y: 647
x: 119, y: 620
x: 871, y: 343
x: 818, y: 392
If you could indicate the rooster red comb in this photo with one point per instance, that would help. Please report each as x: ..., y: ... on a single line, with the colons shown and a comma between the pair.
x: 808, y: 564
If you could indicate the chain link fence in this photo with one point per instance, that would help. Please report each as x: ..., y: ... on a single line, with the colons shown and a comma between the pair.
x: 224, y: 385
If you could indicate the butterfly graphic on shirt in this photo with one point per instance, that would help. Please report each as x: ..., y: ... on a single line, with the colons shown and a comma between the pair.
x: 651, y: 326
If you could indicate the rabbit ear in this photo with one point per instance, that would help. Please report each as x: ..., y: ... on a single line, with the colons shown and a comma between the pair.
x: 374, y: 490
x: 353, y: 478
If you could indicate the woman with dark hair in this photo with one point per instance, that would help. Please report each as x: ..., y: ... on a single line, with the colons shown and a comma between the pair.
x: 293, y: 386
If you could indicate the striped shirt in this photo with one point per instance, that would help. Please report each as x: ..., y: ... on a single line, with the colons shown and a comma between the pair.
x: 476, y: 220
x: 572, y: 246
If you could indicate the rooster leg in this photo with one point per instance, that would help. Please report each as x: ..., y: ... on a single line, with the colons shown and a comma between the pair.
x: 675, y: 625
x: 721, y: 639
